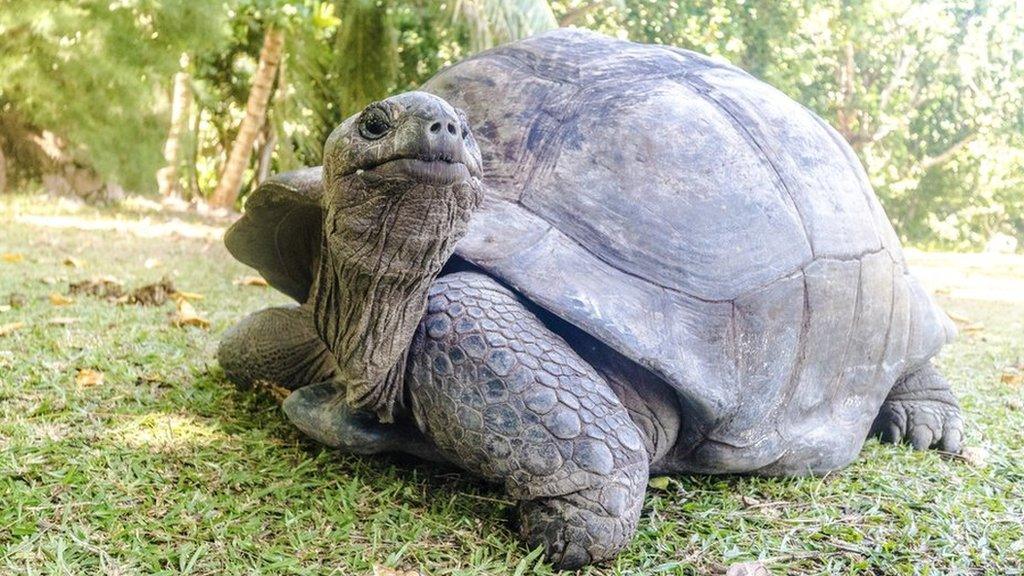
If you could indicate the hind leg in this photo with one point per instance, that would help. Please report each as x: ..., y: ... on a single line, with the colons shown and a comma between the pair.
x: 279, y: 349
x: 921, y: 411
x: 505, y: 398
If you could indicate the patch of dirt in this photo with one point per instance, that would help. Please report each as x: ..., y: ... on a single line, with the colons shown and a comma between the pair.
x: 102, y: 287
x: 156, y: 294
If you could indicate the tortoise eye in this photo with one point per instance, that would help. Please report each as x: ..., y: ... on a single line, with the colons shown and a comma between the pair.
x: 374, y: 124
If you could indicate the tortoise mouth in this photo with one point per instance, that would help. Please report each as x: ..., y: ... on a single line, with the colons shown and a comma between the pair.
x: 436, y: 169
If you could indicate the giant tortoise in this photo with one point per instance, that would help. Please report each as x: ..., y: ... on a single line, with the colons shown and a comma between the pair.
x: 653, y: 262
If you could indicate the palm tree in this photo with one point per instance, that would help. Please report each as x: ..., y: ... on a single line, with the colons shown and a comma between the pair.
x: 364, y: 59
x: 181, y: 101
x: 255, y: 116
x: 357, y: 60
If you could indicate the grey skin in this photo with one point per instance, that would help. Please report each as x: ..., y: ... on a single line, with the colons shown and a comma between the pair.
x: 666, y: 267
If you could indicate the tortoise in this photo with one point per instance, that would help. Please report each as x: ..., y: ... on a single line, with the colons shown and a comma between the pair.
x: 573, y: 261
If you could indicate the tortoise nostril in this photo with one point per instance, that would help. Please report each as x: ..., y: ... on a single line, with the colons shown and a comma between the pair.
x: 451, y: 128
x: 435, y: 126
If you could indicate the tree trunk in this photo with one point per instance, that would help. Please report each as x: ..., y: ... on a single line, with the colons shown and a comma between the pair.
x: 181, y: 101
x: 266, y: 153
x: 255, y: 116
x: 193, y: 162
x: 3, y: 171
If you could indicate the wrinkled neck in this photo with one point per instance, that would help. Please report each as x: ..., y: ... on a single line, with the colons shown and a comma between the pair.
x: 379, y: 258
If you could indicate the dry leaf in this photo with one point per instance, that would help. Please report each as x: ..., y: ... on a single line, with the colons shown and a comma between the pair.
x: 60, y: 299
x: 179, y: 295
x: 1012, y: 378
x: 151, y: 263
x: 88, y: 377
x: 12, y: 257
x: 6, y: 329
x: 188, y: 316
x: 747, y: 569
x: 975, y: 456
x: 251, y: 281
x: 973, y: 328
x: 958, y: 318
x: 73, y: 262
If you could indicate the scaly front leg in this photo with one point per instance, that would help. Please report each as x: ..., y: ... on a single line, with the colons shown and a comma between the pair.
x: 505, y: 398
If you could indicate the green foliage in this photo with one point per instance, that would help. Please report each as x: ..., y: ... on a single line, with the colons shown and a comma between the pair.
x: 929, y: 94
x: 96, y: 72
x: 378, y: 47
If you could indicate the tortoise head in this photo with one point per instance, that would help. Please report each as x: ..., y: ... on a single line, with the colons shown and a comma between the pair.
x: 413, y: 138
x: 401, y: 180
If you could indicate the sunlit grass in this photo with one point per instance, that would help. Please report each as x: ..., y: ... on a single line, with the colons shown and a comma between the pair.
x: 164, y: 468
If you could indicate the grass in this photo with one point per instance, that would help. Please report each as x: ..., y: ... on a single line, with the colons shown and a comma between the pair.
x: 164, y: 469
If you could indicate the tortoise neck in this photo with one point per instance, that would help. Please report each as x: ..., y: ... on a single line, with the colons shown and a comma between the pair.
x: 378, y: 260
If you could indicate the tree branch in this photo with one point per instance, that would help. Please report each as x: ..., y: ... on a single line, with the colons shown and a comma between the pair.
x: 929, y: 162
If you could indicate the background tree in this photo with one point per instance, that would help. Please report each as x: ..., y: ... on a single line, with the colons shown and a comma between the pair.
x: 91, y: 72
x: 929, y: 94
x: 181, y: 102
x: 255, y: 116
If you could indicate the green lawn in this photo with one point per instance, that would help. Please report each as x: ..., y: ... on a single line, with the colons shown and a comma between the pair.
x: 164, y: 468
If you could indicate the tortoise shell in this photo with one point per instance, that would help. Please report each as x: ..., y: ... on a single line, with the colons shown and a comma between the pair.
x: 693, y: 219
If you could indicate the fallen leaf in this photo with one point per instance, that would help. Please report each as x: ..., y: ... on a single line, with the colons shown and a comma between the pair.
x: 73, y: 262
x: 747, y: 569
x: 188, y: 316
x: 62, y: 321
x: 151, y: 263
x: 975, y: 456
x: 12, y: 257
x: 49, y: 280
x: 958, y: 318
x: 251, y: 281
x: 659, y: 482
x: 973, y: 328
x: 88, y: 377
x: 179, y: 295
x: 1012, y: 378
x: 60, y: 299
x: 6, y: 329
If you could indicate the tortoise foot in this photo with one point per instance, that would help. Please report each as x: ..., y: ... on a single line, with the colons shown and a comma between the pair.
x: 321, y: 412
x: 921, y: 411
x: 587, y: 526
